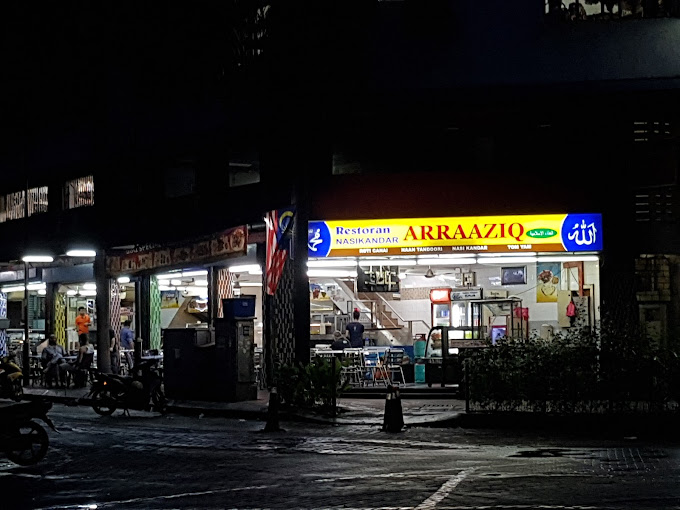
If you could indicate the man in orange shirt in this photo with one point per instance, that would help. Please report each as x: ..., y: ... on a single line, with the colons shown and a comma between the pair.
x: 82, y: 325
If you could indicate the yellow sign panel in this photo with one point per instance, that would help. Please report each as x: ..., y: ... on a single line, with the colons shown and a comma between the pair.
x: 474, y: 234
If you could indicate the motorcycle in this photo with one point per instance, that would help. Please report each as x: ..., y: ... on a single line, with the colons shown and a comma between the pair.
x: 22, y: 440
x: 141, y: 391
x: 11, y: 378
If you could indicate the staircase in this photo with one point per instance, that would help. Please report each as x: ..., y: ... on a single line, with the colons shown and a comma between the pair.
x: 385, y: 316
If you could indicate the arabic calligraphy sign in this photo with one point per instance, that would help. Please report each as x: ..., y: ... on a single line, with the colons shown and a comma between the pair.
x: 232, y: 242
x: 473, y: 234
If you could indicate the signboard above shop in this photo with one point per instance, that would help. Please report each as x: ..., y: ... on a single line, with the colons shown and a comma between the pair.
x: 230, y: 243
x: 473, y: 234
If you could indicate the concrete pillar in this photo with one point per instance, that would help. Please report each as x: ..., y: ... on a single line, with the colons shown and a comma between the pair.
x: 301, y: 280
x: 102, y: 303
x: 143, y: 312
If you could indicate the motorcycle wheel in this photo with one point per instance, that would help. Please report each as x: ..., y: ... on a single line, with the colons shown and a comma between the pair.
x: 17, y: 390
x: 158, y: 400
x: 29, y: 445
x: 102, y: 402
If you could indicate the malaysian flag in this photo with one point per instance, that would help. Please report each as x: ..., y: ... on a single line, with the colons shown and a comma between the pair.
x: 279, y: 243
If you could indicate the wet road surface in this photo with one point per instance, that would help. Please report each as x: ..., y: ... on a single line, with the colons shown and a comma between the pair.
x: 150, y: 461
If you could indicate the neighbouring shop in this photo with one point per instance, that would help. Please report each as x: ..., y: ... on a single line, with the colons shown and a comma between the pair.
x: 482, y: 277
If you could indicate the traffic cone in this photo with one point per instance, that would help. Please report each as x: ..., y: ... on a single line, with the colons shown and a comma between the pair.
x: 273, y: 412
x: 393, y: 420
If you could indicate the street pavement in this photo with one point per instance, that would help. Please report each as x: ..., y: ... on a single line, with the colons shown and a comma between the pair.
x: 151, y: 461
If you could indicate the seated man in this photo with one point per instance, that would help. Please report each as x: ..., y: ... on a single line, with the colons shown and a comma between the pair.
x: 339, y: 342
x: 85, y: 355
x: 52, y: 358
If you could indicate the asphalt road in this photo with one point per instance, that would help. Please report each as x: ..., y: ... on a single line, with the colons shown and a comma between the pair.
x: 149, y: 461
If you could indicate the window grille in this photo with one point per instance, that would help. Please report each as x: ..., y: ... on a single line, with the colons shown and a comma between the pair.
x: 79, y: 192
x: 654, y: 204
x: 12, y: 206
x: 37, y: 200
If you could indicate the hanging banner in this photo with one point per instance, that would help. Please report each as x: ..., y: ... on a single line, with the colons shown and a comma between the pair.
x: 474, y: 234
x: 230, y: 243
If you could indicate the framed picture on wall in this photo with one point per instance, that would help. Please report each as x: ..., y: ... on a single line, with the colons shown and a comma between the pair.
x: 516, y: 275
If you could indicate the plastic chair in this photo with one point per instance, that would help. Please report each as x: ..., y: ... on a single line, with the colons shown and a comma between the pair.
x: 372, y: 369
x: 393, y: 358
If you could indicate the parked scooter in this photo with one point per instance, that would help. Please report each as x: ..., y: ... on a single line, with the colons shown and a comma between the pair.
x: 10, y: 379
x: 22, y: 440
x: 141, y: 391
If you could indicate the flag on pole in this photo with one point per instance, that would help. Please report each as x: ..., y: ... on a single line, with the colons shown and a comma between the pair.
x: 279, y: 224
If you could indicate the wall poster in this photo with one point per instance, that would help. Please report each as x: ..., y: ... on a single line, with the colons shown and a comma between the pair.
x: 547, y: 281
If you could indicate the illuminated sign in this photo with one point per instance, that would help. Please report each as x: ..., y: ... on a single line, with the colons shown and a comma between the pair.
x: 473, y: 234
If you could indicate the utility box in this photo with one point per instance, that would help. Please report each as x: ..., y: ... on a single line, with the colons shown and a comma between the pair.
x: 189, y: 364
x: 235, y: 354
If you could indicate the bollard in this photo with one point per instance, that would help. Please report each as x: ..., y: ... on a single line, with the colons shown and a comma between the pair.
x: 393, y: 420
x: 273, y: 412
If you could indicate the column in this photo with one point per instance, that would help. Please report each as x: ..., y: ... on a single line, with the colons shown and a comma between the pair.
x: 301, y: 304
x: 102, y: 303
x: 60, y: 319
x: 154, y: 314
x: 143, y: 312
x: 3, y: 332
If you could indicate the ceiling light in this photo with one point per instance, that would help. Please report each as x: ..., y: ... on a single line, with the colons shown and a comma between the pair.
x: 90, y: 286
x: 201, y: 283
x: 245, y: 268
x: 81, y: 253
x: 71, y: 292
x: 38, y: 258
x: 201, y: 272
x: 164, y: 288
x: 13, y: 288
x: 509, y: 254
x: 331, y: 263
x: 566, y: 258
x: 446, y: 262
x: 36, y: 286
x: 42, y: 292
x: 88, y: 293
x: 167, y: 276
x: 456, y: 256
x: 251, y: 284
x: 175, y: 282
x: 506, y: 260
x: 331, y: 273
x: 123, y: 279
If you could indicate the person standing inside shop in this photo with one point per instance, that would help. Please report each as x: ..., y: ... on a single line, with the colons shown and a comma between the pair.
x: 355, y: 330
x: 82, y: 325
x: 115, y: 353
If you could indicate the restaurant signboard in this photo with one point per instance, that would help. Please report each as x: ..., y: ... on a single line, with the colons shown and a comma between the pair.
x: 472, y: 234
x: 229, y: 243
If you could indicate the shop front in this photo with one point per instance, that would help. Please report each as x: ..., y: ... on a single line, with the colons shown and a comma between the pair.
x: 482, y: 277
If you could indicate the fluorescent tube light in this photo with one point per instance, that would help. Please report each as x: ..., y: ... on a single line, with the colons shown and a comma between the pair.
x: 455, y: 256
x: 90, y: 286
x: 71, y: 292
x: 506, y: 260
x: 446, y: 262
x: 331, y: 263
x: 13, y: 288
x: 88, y: 293
x: 564, y: 258
x: 123, y: 279
x: 42, y: 292
x: 201, y: 283
x: 250, y: 284
x: 36, y: 286
x: 81, y: 253
x: 175, y: 282
x: 165, y: 287
x: 167, y: 276
x: 331, y: 273
x: 200, y: 272
x: 511, y: 254
x: 245, y: 268
x: 38, y: 258
x: 257, y: 272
